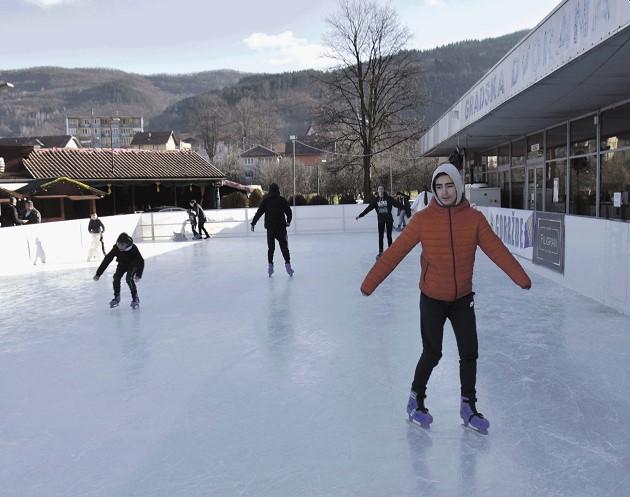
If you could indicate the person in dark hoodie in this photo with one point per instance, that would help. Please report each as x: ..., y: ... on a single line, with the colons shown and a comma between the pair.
x: 383, y: 204
x: 278, y: 217
x: 130, y: 261
x: 10, y: 215
x: 450, y: 231
x: 197, y: 210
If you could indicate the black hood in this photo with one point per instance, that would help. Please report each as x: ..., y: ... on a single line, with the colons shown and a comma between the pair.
x: 274, y: 190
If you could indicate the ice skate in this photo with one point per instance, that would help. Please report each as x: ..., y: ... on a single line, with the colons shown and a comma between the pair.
x: 270, y: 269
x: 115, y: 302
x: 289, y: 269
x: 417, y: 413
x: 378, y: 256
x: 470, y: 416
x: 135, y: 303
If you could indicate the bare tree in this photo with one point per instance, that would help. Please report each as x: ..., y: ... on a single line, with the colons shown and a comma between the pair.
x: 371, y: 98
x: 209, y: 122
x: 256, y: 123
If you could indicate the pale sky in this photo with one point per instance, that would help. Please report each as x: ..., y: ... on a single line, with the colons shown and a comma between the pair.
x: 156, y: 36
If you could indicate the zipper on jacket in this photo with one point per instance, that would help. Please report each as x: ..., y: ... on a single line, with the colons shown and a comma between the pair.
x: 426, y: 272
x: 450, y: 224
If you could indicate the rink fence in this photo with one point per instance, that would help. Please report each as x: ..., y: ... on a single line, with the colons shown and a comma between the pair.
x: 597, y: 251
x: 596, y: 257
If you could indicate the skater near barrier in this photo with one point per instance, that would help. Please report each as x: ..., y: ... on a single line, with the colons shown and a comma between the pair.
x: 130, y: 261
x: 192, y: 218
x: 278, y: 217
x: 96, y: 229
x: 450, y: 231
x: 10, y: 215
x: 403, y: 213
x: 383, y: 203
x: 201, y: 218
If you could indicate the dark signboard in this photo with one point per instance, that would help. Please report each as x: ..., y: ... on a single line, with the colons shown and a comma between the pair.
x: 549, y: 240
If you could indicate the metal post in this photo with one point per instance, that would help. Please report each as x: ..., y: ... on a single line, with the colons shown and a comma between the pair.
x: 293, y: 138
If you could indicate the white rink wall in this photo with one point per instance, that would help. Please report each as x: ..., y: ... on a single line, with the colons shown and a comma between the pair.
x: 236, y: 222
x: 597, y: 260
x: 24, y: 248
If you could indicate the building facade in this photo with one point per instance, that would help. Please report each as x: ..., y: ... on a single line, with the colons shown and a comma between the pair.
x: 550, y: 122
x: 104, y: 131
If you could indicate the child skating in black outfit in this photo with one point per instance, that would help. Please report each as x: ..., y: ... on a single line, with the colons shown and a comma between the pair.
x: 130, y: 261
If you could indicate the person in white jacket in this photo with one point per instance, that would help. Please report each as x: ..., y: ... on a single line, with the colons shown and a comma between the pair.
x: 422, y: 200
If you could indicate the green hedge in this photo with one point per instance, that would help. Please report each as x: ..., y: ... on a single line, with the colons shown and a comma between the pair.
x: 234, y: 200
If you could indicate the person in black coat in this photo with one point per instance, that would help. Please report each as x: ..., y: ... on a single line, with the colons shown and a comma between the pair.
x: 10, y: 215
x: 197, y: 210
x: 278, y: 217
x: 32, y: 215
x: 383, y: 204
x: 96, y: 228
x: 130, y: 261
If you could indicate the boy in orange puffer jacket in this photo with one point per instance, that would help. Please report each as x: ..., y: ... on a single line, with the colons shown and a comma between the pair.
x: 450, y: 231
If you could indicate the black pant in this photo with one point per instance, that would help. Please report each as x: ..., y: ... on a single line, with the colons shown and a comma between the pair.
x: 433, y: 315
x: 283, y: 240
x: 120, y: 271
x: 193, y: 227
x: 202, y: 228
x: 382, y: 223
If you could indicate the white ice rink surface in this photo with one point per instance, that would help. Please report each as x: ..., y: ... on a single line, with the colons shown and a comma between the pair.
x: 228, y: 383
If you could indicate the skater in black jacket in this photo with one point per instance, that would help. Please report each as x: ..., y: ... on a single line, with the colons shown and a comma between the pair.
x: 197, y: 210
x: 96, y: 229
x: 383, y: 203
x: 130, y: 261
x: 278, y: 217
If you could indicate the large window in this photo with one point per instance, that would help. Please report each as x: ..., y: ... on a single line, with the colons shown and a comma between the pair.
x: 614, y: 201
x: 518, y: 188
x: 584, y: 136
x: 557, y: 142
x: 556, y: 192
x: 504, y: 183
x: 518, y: 153
x: 615, y: 128
x: 582, y: 190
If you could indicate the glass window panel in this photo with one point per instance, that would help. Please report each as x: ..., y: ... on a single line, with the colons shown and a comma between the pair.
x: 492, y: 160
x: 584, y: 136
x: 556, y: 191
x: 615, y: 128
x: 504, y: 183
x: 518, y: 188
x: 492, y: 179
x: 518, y: 153
x: 504, y: 155
x: 557, y: 142
x: 615, y: 185
x: 535, y: 146
x: 583, y: 174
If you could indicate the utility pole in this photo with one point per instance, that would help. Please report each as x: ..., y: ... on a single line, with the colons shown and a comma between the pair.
x: 293, y: 138
x: 323, y: 161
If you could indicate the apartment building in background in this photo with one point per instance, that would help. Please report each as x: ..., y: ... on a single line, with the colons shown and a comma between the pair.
x: 104, y: 131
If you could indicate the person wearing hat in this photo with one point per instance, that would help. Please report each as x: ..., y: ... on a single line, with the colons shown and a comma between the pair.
x: 450, y: 232
x: 130, y: 262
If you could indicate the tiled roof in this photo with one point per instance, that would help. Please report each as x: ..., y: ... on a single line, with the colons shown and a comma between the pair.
x: 96, y: 164
x: 259, y: 151
x: 152, y: 138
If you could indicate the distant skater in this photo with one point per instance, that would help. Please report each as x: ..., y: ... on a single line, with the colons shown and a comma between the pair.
x: 96, y: 228
x: 201, y: 218
x: 278, y: 217
x: 130, y: 261
x: 449, y: 231
x: 383, y: 204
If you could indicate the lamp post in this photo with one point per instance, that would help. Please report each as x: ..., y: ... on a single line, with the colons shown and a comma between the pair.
x: 293, y: 138
x: 323, y: 161
x: 111, y: 138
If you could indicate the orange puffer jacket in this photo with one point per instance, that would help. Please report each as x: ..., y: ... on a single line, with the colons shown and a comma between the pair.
x: 449, y: 237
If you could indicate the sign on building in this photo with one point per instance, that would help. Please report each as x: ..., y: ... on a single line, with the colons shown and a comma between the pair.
x: 515, y: 228
x: 549, y: 240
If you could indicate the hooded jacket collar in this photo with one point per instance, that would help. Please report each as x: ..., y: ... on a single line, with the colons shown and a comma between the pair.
x: 453, y: 172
